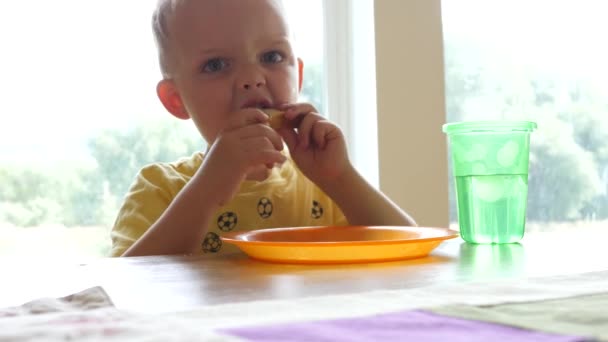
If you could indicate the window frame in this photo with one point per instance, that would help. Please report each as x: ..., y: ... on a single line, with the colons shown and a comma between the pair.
x: 377, y: 106
x: 411, y: 107
x: 350, y: 79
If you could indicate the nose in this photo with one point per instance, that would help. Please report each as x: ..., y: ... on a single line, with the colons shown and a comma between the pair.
x: 248, y: 86
x: 251, y: 78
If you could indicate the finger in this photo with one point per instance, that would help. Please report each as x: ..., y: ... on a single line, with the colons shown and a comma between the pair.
x: 257, y: 145
x: 305, y: 128
x: 320, y: 132
x: 258, y: 173
x: 264, y: 158
x: 296, y: 109
x: 290, y: 137
x: 245, y: 117
x: 261, y: 130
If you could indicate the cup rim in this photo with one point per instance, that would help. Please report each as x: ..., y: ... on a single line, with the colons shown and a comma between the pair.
x: 489, y: 126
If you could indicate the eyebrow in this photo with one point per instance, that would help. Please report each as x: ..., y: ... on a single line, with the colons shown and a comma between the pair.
x: 282, y: 40
x: 211, y: 51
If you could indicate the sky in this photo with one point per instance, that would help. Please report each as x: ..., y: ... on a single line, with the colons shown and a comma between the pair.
x: 565, y: 36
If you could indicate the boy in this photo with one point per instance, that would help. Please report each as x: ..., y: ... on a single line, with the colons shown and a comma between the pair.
x: 223, y: 63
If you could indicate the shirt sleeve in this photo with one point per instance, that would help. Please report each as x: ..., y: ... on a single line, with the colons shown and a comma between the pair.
x: 149, y: 196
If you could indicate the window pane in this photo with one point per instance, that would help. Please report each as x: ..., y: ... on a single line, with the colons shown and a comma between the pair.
x: 80, y: 117
x: 306, y: 18
x: 543, y: 61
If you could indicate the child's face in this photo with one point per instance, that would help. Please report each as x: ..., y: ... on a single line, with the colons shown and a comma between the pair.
x: 228, y: 55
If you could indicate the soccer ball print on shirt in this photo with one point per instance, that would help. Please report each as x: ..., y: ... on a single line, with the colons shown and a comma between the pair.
x: 228, y: 221
x: 265, y: 208
x: 317, y: 210
x: 212, y: 243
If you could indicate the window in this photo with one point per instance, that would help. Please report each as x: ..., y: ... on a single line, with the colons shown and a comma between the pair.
x: 543, y: 61
x: 80, y: 116
x: 350, y: 74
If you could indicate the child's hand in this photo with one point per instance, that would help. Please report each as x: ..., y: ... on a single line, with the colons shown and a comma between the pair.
x: 247, y: 148
x: 316, y: 145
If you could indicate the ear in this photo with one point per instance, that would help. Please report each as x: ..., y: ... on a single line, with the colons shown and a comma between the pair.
x: 300, y: 73
x: 169, y: 96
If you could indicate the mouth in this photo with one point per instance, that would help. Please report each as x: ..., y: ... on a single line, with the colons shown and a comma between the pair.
x: 257, y: 103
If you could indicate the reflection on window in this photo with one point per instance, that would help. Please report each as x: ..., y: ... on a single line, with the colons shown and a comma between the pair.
x: 544, y: 61
x: 80, y: 117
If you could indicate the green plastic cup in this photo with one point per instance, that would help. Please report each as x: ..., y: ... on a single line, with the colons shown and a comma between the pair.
x: 490, y: 162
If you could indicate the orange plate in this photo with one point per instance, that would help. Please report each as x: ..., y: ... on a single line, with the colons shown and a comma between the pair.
x: 333, y: 245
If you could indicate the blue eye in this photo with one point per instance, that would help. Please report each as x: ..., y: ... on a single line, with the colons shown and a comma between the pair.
x: 214, y: 65
x: 272, y: 57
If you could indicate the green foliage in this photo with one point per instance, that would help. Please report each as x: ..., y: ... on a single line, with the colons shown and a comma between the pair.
x: 34, y: 196
x: 120, y: 155
x: 311, y: 91
x: 568, y: 159
x: 81, y: 196
x: 83, y: 199
x: 87, y: 196
x: 590, y: 129
x: 563, y: 176
x: 22, y: 184
x: 30, y: 213
x: 569, y: 152
x: 462, y: 81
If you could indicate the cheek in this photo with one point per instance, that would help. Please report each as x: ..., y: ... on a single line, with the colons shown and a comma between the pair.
x: 289, y: 86
x: 208, y: 105
x: 207, y: 97
x: 295, y: 91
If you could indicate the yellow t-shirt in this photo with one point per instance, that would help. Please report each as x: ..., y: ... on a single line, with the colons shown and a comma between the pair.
x: 286, y: 199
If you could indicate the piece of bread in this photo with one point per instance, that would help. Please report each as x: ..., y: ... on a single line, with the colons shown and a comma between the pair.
x: 276, y: 117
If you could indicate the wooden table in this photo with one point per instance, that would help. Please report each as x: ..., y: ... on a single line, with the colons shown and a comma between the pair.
x: 170, y: 283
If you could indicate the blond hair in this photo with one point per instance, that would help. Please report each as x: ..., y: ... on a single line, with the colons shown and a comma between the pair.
x: 164, y: 10
x: 160, y: 28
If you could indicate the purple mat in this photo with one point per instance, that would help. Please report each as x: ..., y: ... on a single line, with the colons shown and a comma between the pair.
x: 399, y: 326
